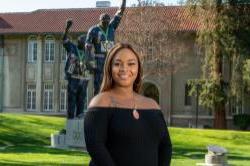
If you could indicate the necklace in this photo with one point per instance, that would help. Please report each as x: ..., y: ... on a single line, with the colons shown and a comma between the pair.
x: 135, y: 113
x: 81, y: 55
x: 106, y: 44
x: 105, y: 34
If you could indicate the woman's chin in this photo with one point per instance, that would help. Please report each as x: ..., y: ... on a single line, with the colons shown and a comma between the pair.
x: 124, y: 84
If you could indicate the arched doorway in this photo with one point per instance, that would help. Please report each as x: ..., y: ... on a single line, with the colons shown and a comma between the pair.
x: 151, y: 90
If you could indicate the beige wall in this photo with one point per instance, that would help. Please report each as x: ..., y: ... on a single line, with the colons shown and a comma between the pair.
x: 13, y: 84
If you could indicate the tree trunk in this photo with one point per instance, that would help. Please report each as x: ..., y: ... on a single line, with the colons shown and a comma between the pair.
x: 219, y: 110
x: 220, y: 117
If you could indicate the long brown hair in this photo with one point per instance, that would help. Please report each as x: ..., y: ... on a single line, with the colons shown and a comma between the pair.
x: 108, y: 82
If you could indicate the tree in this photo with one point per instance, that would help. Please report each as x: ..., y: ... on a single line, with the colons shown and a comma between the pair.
x: 246, y: 75
x: 156, y: 35
x: 222, y: 33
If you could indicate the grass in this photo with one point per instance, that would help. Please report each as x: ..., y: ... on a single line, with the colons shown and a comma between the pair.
x: 25, y: 140
x: 190, y: 145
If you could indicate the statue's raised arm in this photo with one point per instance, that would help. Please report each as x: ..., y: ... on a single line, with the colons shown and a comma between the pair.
x: 69, y: 24
x: 122, y: 8
x: 100, y: 39
x: 76, y: 73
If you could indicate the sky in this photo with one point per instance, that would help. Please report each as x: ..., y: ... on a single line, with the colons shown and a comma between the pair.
x: 31, y: 5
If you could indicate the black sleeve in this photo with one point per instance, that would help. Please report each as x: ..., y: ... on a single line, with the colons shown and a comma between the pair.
x: 115, y: 21
x: 67, y: 44
x: 165, y: 146
x: 95, y: 130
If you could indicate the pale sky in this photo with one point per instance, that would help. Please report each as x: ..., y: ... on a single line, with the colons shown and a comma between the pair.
x: 30, y: 5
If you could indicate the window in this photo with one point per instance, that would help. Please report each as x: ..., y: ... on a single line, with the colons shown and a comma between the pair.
x: 63, y: 98
x: 48, y: 97
x: 198, y: 50
x: 49, y: 49
x: 32, y: 50
x: 236, y: 107
x: 31, y: 97
x: 188, y: 101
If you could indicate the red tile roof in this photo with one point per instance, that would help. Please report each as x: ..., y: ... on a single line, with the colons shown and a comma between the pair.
x: 53, y: 20
x: 168, y: 18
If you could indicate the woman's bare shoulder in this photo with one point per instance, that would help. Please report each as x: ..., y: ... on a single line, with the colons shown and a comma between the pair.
x: 100, y: 100
x: 148, y: 102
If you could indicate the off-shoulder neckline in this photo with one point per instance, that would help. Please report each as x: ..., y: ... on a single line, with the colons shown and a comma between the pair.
x: 123, y: 108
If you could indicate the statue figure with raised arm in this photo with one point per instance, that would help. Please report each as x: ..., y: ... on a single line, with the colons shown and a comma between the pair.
x: 101, y: 38
x: 76, y: 73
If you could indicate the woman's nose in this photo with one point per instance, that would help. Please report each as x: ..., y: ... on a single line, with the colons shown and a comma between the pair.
x: 123, y: 67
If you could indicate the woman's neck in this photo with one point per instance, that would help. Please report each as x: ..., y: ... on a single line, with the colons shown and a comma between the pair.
x: 123, y: 92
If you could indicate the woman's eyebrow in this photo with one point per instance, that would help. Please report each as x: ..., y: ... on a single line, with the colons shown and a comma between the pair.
x: 132, y: 59
x: 119, y: 60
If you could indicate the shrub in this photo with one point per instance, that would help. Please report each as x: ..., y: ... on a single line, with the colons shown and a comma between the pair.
x: 242, y: 121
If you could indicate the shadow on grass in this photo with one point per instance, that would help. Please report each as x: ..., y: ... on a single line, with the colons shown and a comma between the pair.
x: 199, y: 154
x: 40, y: 150
x: 36, y: 120
x: 25, y: 133
x: 22, y: 163
x: 184, y: 152
x: 237, y: 156
x: 19, y: 137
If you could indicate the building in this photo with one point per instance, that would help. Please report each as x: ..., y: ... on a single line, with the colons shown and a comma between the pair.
x: 32, y: 60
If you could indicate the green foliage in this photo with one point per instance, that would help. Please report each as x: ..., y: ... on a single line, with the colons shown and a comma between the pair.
x: 210, y: 92
x: 246, y: 74
x: 223, y: 33
x: 242, y: 121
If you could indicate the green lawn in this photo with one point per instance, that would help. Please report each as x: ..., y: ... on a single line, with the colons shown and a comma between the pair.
x: 25, y: 140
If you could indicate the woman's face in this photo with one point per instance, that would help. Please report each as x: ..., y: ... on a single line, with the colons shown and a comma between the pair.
x: 124, y: 68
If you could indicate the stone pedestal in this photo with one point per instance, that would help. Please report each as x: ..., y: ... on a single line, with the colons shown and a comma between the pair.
x: 74, y: 136
x: 216, y: 157
x: 75, y: 133
x: 58, y: 140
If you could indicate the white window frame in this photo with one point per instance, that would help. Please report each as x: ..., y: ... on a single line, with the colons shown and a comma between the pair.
x: 32, y: 50
x: 48, y: 95
x: 31, y: 97
x: 49, y: 50
x: 63, y: 98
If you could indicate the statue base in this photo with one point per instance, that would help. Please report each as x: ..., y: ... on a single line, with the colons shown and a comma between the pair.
x: 73, y: 138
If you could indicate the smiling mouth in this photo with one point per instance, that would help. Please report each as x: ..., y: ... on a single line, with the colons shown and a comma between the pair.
x: 123, y: 77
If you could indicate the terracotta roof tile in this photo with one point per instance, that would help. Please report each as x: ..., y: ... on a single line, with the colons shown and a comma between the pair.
x: 53, y: 20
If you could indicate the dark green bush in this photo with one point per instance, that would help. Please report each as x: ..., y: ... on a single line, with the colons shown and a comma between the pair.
x: 242, y: 121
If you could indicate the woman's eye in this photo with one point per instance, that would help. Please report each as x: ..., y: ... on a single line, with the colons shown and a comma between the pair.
x: 131, y: 64
x: 116, y: 64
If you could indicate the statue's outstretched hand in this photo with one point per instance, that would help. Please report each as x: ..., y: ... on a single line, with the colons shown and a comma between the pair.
x: 69, y: 23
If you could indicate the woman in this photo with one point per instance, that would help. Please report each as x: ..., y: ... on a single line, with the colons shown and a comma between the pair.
x: 123, y: 128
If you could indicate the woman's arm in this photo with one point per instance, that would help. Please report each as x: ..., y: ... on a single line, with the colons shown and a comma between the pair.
x: 165, y: 146
x: 95, y: 129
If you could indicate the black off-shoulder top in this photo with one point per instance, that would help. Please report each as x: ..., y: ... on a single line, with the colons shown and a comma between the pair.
x: 115, y: 138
